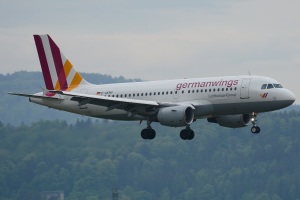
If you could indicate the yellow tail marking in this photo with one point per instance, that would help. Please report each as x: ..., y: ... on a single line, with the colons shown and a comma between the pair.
x: 75, y: 82
x: 67, y: 67
x: 57, y: 86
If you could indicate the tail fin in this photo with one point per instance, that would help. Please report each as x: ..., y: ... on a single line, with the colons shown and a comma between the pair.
x: 58, y: 72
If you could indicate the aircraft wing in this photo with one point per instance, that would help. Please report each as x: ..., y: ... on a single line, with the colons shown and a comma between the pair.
x: 131, y: 105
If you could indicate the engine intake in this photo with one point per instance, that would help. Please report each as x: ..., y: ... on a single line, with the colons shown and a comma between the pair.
x: 231, y: 121
x: 176, y: 116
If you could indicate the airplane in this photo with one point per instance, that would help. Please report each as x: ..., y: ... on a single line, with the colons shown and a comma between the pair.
x: 230, y: 101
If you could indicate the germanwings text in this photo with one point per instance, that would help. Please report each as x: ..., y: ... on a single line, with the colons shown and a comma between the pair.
x: 227, y: 83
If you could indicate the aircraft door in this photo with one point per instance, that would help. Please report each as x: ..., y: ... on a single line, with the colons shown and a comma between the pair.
x: 245, y: 88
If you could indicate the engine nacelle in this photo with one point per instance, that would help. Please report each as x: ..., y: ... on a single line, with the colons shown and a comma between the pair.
x: 176, y: 116
x: 231, y: 121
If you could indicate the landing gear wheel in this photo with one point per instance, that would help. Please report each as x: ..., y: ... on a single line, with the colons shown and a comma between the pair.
x: 144, y: 134
x: 152, y: 134
x: 187, y: 134
x: 255, y: 129
x: 191, y: 135
x: 148, y: 133
x: 183, y: 134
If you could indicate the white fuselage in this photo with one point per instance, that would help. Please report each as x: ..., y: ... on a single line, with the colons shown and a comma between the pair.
x: 210, y: 96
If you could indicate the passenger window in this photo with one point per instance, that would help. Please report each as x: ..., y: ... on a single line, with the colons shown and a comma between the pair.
x: 162, y: 93
x: 176, y: 92
x: 146, y: 94
x: 154, y: 93
x: 158, y: 93
x: 167, y: 92
x: 197, y: 91
x: 182, y: 92
x: 142, y: 94
x: 270, y: 86
x: 138, y: 94
x: 171, y: 92
x: 129, y: 95
x: 222, y: 89
x: 264, y: 86
x: 205, y: 90
x: 125, y: 95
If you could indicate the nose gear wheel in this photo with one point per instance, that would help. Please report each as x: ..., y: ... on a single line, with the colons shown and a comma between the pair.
x: 255, y: 129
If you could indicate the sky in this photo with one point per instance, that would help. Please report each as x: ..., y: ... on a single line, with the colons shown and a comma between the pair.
x: 158, y: 39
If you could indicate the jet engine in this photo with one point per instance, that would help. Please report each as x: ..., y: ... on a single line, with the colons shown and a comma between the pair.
x: 231, y: 121
x: 176, y: 116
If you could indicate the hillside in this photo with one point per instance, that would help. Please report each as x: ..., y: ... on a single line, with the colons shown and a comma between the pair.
x: 49, y: 150
x: 86, y: 160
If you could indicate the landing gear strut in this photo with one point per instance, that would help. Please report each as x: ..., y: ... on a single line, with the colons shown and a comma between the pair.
x: 255, y: 129
x: 148, y: 133
x: 187, y: 133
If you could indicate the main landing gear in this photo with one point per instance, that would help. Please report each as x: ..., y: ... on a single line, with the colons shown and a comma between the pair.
x: 149, y: 133
x: 255, y: 129
x: 187, y: 134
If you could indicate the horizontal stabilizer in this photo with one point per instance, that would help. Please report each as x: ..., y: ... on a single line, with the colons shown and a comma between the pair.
x: 32, y: 95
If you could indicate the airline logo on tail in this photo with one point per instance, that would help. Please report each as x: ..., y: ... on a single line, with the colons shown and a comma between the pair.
x: 58, y: 72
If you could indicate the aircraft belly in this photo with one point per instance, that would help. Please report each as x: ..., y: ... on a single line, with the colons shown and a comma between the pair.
x: 248, y: 107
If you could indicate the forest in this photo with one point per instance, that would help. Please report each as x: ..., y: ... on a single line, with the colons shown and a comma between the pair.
x: 88, y: 158
x: 49, y: 150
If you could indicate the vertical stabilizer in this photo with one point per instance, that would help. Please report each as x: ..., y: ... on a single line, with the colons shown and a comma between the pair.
x: 58, y: 72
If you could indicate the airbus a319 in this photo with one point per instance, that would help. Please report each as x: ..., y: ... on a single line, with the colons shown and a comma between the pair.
x: 230, y: 101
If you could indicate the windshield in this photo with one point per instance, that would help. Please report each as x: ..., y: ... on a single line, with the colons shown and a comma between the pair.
x: 270, y: 86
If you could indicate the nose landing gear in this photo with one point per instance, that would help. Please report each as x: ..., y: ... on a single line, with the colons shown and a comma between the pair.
x: 255, y: 129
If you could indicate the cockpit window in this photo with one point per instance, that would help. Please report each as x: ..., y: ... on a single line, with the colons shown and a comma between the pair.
x: 270, y: 86
x: 277, y: 85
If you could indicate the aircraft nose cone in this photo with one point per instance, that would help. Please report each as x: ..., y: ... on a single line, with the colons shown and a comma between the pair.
x: 290, y: 96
